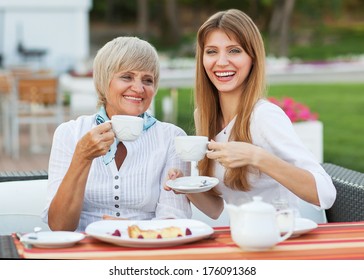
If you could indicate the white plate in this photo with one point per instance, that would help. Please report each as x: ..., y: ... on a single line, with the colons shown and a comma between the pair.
x: 103, y: 230
x: 52, y: 239
x: 191, y: 184
x: 302, y: 226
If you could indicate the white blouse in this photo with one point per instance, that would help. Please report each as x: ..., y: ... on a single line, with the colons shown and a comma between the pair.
x: 135, y: 191
x: 272, y: 130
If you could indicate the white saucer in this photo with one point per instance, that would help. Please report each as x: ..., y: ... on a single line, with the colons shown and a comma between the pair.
x: 302, y: 226
x: 192, y: 184
x: 52, y: 239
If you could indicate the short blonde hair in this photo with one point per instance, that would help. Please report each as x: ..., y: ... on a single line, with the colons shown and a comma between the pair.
x: 123, y: 54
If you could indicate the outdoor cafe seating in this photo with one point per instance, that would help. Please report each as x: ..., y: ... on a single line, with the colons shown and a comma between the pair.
x: 32, y: 99
x: 340, y: 238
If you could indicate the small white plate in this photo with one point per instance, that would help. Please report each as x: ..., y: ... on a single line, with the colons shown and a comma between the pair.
x: 103, y: 230
x: 52, y: 239
x: 302, y: 226
x: 192, y: 184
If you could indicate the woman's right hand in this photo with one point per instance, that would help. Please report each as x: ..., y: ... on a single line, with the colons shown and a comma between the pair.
x: 96, y: 142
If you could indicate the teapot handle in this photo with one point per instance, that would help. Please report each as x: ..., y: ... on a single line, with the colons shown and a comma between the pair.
x: 291, y: 228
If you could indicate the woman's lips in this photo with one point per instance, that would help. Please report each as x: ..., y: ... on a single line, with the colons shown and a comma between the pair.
x: 133, y: 98
x: 225, y: 75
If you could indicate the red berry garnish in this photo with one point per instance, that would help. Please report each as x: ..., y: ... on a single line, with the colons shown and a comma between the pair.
x: 179, y: 235
x: 159, y: 236
x: 116, y: 233
x: 140, y: 236
x: 188, y: 231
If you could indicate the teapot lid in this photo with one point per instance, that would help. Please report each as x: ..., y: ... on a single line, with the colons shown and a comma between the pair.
x: 258, y: 205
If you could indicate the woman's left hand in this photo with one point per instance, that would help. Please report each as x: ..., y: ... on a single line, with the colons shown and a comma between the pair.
x: 232, y: 154
x: 173, y: 173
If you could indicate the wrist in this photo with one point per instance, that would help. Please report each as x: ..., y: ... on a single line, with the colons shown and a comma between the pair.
x: 258, y: 157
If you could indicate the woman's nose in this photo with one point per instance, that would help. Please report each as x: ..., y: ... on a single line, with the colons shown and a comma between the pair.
x: 137, y: 86
x: 222, y: 60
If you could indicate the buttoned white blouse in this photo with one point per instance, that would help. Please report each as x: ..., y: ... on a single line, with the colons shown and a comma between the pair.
x: 272, y: 130
x: 135, y: 191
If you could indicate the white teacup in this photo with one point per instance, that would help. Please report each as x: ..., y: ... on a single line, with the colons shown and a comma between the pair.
x: 127, y: 128
x: 191, y: 148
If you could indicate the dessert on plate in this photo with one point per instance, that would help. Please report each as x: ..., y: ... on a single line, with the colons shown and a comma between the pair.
x: 135, y: 231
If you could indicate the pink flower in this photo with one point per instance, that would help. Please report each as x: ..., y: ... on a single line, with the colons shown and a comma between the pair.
x: 294, y: 110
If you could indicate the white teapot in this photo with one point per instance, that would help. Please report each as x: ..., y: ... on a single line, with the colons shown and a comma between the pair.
x: 254, y: 225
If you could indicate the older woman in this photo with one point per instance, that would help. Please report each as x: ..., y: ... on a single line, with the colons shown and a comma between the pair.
x: 90, y: 176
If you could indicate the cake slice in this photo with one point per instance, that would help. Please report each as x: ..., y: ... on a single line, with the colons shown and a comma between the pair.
x: 135, y: 231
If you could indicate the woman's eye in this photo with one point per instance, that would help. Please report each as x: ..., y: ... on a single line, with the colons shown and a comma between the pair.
x: 235, y: 50
x: 209, y: 51
x: 126, y: 77
x: 148, y: 82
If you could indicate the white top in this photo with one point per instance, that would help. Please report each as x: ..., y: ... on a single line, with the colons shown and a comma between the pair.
x: 135, y: 191
x: 272, y: 130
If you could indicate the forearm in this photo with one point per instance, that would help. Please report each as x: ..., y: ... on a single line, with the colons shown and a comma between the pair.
x: 66, y: 206
x: 299, y: 181
x: 208, y: 202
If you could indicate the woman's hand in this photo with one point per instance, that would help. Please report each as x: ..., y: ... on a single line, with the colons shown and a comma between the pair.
x: 173, y: 173
x: 96, y: 142
x: 232, y: 154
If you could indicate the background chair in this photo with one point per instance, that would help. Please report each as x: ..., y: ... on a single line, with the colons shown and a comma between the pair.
x: 349, y: 204
x: 36, y: 101
x: 22, y: 199
x: 6, y: 87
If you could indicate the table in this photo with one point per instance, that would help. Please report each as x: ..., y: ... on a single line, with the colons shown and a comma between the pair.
x: 330, y: 241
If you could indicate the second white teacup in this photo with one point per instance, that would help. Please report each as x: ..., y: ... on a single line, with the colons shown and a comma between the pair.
x: 191, y: 148
x: 127, y: 128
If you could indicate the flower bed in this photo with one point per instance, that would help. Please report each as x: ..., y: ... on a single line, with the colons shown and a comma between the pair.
x: 296, y: 111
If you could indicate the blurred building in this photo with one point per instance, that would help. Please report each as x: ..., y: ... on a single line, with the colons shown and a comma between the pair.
x: 47, y: 33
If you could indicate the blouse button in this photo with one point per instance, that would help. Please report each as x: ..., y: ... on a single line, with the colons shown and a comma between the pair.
x: 117, y: 214
x: 116, y: 187
x: 116, y: 177
x: 116, y: 198
x: 116, y: 206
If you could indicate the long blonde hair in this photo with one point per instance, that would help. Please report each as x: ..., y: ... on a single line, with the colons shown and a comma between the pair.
x: 239, y: 26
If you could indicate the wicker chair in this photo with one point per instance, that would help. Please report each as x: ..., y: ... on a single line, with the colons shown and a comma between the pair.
x: 7, y: 176
x: 349, y: 204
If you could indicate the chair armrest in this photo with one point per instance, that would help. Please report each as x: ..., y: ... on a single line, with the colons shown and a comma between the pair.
x: 349, y: 203
x: 23, y: 175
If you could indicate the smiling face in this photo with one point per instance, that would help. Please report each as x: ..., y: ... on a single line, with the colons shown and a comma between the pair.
x: 130, y: 93
x: 226, y: 62
x: 126, y: 76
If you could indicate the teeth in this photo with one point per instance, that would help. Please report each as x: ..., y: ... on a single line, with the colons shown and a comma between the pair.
x: 133, y: 98
x: 224, y: 74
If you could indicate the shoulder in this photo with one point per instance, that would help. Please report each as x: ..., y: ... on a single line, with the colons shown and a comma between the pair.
x: 269, y: 121
x: 78, y: 126
x: 265, y: 111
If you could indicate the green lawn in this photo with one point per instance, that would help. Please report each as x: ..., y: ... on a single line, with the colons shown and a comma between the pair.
x: 340, y: 108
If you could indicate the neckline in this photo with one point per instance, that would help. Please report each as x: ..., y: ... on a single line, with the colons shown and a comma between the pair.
x: 226, y: 130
